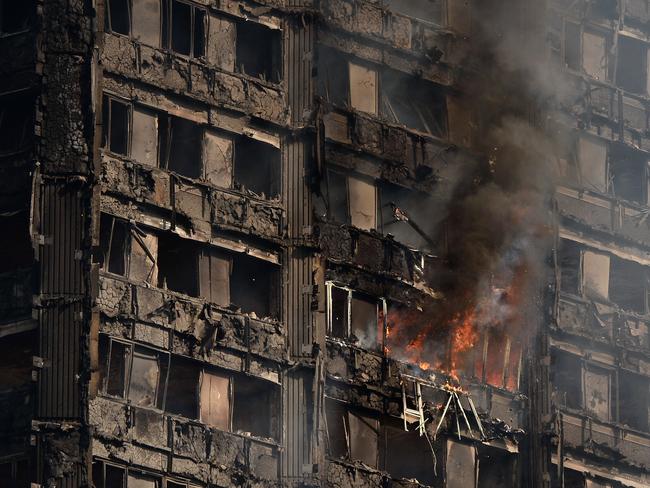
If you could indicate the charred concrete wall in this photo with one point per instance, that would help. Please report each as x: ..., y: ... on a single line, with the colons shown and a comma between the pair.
x: 599, y: 329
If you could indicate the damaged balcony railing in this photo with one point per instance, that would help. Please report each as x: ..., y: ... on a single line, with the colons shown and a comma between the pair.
x: 413, y: 406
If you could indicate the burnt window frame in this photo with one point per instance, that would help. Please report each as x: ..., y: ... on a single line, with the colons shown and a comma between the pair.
x: 167, y: 28
x: 581, y: 249
x: 161, y: 387
x: 382, y: 313
x: 108, y: 22
x: 616, y: 152
x: 99, y: 466
x: 580, y: 30
x: 614, y: 400
x: 107, y: 116
x: 106, y: 253
x: 165, y: 139
x: 276, y: 54
x: 509, y: 344
x: 275, y: 166
x: 416, y: 85
x: 444, y: 19
x: 332, y: 172
x: 644, y: 65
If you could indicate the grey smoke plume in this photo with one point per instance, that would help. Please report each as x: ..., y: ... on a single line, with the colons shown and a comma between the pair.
x: 499, y: 225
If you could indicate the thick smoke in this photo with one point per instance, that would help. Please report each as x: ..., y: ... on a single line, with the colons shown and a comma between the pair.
x: 499, y: 227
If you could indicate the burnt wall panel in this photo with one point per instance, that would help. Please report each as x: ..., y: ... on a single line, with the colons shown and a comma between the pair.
x: 61, y: 299
x: 299, y: 263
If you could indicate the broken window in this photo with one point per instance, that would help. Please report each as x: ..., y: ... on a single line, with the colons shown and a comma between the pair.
x: 627, y: 170
x: 119, y: 16
x: 407, y: 454
x: 218, y: 159
x: 406, y: 215
x: 144, y: 137
x: 337, y: 430
x: 115, y: 377
x: 592, y: 161
x: 15, y: 16
x: 634, y: 400
x: 142, y: 256
x: 567, y: 379
x: 215, y: 400
x: 337, y: 190
x: 460, y: 468
x: 182, y: 385
x: 595, y: 275
x: 114, y: 243
x: 627, y: 284
x: 631, y: 65
x: 145, y: 378
x: 572, y: 56
x: 333, y: 78
x: 594, y: 55
x: 497, y: 468
x: 429, y: 10
x: 181, y: 143
x: 15, y: 123
x: 597, y: 384
x: 214, y: 276
x: 362, y: 200
x: 178, y: 265
x: 115, y: 129
x: 365, y: 324
x: 147, y: 21
x: 416, y: 103
x: 136, y: 373
x: 568, y: 258
x: 351, y: 434
x: 352, y: 315
x: 363, y: 438
x: 105, y: 475
x: 252, y: 284
x: 498, y: 361
x: 257, y: 167
x: 139, y: 480
x: 255, y: 406
x: 339, y: 310
x: 363, y: 88
x: 185, y: 29
x: 259, y: 51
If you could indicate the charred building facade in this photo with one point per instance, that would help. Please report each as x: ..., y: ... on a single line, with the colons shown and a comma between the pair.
x: 345, y: 243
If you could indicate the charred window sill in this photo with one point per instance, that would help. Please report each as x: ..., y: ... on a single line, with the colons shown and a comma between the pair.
x: 103, y: 403
x: 192, y: 322
x: 209, y: 84
x: 199, y: 202
x: 361, y: 130
x: 351, y: 134
x: 367, y: 251
x: 606, y: 324
x: 611, y: 438
x: 185, y: 449
x: 578, y: 216
x: 363, y: 474
x: 395, y: 31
